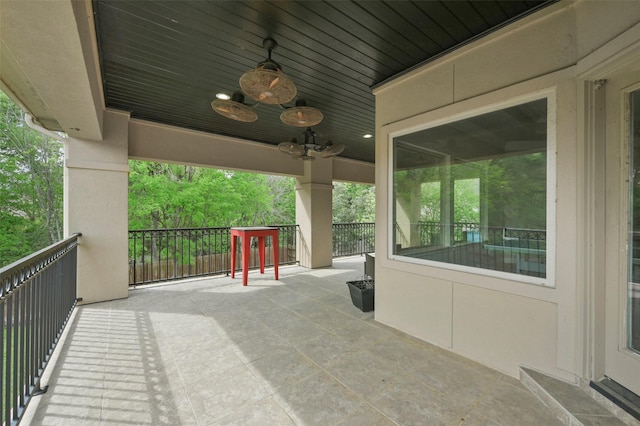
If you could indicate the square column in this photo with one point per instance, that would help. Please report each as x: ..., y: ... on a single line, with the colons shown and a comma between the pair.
x: 96, y: 204
x: 314, y: 213
x: 408, y: 214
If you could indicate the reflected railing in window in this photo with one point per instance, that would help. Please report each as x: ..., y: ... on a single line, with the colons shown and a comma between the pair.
x: 513, y: 250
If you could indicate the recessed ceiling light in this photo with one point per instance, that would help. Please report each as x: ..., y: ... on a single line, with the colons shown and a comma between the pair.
x: 367, y: 136
x: 223, y: 96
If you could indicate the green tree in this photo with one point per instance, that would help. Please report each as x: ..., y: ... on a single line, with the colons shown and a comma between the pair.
x: 430, y: 203
x: 181, y: 196
x: 31, y: 184
x: 353, y: 203
x: 517, y: 188
x: 283, y: 196
x: 466, y: 200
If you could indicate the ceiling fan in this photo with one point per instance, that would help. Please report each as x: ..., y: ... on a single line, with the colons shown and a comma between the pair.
x: 267, y: 84
x: 302, y: 151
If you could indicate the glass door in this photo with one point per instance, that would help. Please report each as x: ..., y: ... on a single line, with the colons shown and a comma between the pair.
x: 622, y: 287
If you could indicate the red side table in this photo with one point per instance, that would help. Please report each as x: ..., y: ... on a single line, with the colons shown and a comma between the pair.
x: 260, y: 232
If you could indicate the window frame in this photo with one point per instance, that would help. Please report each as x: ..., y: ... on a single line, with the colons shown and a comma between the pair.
x: 440, y: 117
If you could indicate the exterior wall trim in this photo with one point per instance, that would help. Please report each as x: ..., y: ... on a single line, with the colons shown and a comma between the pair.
x: 625, y: 48
x: 96, y: 165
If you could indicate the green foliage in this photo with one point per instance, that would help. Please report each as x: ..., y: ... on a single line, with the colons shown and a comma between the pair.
x: 430, y: 194
x: 516, y: 190
x: 180, y: 196
x: 283, y: 195
x: 467, y: 200
x: 31, y: 182
x: 353, y: 203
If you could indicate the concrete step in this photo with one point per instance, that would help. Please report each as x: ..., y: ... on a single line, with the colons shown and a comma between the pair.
x: 573, y: 404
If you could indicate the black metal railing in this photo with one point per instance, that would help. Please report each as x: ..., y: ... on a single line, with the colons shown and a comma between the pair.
x: 516, y: 250
x: 433, y: 233
x: 168, y: 254
x: 37, y: 296
x: 353, y: 238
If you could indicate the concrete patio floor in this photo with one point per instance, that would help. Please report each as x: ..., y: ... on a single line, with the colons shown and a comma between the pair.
x: 293, y: 351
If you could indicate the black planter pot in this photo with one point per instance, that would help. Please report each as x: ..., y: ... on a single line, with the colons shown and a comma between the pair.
x: 362, y: 294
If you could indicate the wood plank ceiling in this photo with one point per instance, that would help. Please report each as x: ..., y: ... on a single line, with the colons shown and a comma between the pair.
x: 165, y: 61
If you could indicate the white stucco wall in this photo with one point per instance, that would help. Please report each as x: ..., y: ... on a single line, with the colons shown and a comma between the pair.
x: 500, y: 322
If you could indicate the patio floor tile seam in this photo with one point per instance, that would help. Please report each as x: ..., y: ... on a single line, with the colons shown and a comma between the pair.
x: 107, y: 412
x: 273, y: 392
x: 187, y: 388
x: 477, y: 402
x: 404, y: 376
x: 476, y: 407
x: 347, y: 388
x: 322, y: 369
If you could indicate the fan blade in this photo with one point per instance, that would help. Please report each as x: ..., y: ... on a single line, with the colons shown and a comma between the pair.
x: 274, y: 82
x: 291, y: 147
x: 332, y: 150
x: 234, y: 110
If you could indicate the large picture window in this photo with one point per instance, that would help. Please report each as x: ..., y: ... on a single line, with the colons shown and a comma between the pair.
x: 473, y: 192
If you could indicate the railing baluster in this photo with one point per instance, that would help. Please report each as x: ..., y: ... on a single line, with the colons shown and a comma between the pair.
x: 15, y: 367
x: 23, y: 347
x: 3, y: 365
x: 8, y: 361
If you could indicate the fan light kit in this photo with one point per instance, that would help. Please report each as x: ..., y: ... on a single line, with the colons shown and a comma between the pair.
x: 301, y: 115
x: 267, y: 84
x: 302, y: 151
x: 235, y: 108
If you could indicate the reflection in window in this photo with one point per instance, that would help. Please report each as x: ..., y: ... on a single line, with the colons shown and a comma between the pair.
x: 474, y: 192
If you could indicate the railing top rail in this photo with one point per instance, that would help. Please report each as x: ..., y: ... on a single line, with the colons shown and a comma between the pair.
x: 521, y: 229
x: 510, y: 228
x: 199, y: 228
x: 355, y: 223
x: 19, y: 271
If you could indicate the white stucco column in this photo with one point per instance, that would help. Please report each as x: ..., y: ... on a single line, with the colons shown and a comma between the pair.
x: 408, y: 214
x: 95, y: 204
x: 314, y: 213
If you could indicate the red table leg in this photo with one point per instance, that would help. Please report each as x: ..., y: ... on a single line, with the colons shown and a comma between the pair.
x: 276, y: 249
x: 261, y: 253
x: 234, y: 240
x: 246, y: 247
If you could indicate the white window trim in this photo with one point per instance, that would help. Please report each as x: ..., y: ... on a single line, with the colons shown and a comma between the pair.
x: 444, y: 118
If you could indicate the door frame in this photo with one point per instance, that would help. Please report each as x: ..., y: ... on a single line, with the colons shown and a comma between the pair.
x: 595, y: 74
x: 621, y: 363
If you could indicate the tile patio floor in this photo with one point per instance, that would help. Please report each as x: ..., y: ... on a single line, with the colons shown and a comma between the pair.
x: 293, y: 351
